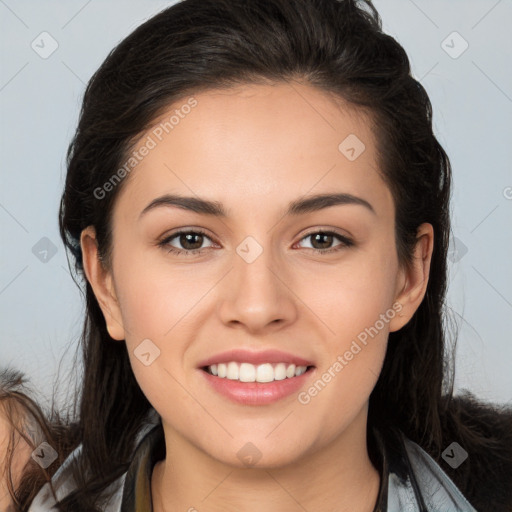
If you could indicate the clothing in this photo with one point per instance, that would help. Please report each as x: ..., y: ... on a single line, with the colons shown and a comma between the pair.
x: 411, y: 480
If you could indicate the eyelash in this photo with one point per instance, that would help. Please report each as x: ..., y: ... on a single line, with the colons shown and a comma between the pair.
x: 346, y: 242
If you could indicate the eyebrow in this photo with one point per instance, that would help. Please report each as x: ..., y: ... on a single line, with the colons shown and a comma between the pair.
x: 298, y: 207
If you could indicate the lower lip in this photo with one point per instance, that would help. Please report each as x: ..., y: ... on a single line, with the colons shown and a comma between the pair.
x: 257, y: 393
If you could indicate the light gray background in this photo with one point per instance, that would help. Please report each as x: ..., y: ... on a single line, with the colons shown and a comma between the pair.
x: 41, y: 307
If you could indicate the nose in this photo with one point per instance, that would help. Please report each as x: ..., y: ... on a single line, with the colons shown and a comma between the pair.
x: 258, y: 291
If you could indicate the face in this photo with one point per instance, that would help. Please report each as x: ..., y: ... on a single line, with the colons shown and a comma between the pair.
x: 261, y: 278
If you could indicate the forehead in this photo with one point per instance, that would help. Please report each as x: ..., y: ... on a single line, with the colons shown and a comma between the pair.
x: 256, y: 142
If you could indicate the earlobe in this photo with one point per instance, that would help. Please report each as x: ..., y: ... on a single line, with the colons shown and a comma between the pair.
x: 413, y: 281
x: 101, y: 281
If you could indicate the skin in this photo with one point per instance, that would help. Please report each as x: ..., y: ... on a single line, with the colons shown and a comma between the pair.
x: 255, y: 149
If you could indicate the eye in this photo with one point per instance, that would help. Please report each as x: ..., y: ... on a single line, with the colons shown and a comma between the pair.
x: 326, y: 238
x: 190, y: 240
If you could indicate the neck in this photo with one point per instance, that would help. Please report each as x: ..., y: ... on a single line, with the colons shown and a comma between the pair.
x: 338, y: 476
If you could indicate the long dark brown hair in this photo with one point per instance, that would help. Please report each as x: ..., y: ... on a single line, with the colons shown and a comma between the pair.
x: 197, y: 45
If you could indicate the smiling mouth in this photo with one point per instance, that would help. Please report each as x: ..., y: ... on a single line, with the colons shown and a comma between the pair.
x: 262, y: 373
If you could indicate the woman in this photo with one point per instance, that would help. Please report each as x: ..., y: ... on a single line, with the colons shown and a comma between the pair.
x: 291, y: 359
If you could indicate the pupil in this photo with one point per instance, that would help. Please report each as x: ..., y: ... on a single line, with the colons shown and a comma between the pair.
x: 329, y: 238
x: 185, y: 240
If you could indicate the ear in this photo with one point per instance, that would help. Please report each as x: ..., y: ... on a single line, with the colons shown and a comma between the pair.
x: 412, y: 282
x: 101, y: 281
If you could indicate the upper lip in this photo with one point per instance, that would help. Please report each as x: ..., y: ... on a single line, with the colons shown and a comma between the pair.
x: 247, y: 356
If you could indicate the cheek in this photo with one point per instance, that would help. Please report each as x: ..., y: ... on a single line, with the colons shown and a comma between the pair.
x: 355, y: 346
x: 156, y: 305
x: 154, y: 297
x: 353, y: 295
x: 357, y: 310
x: 354, y: 303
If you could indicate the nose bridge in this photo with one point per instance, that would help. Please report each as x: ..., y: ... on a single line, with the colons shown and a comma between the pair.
x: 258, y: 295
x: 256, y: 265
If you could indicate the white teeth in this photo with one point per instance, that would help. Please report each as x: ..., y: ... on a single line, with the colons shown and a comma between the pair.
x: 222, y: 370
x: 300, y: 370
x: 232, y: 372
x: 280, y: 371
x: 246, y: 372
x: 265, y: 373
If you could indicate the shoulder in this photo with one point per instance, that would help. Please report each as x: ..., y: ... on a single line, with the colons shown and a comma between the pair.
x: 477, y: 451
x: 412, y: 480
x: 471, y: 470
x: 436, y: 491
x: 64, y: 483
